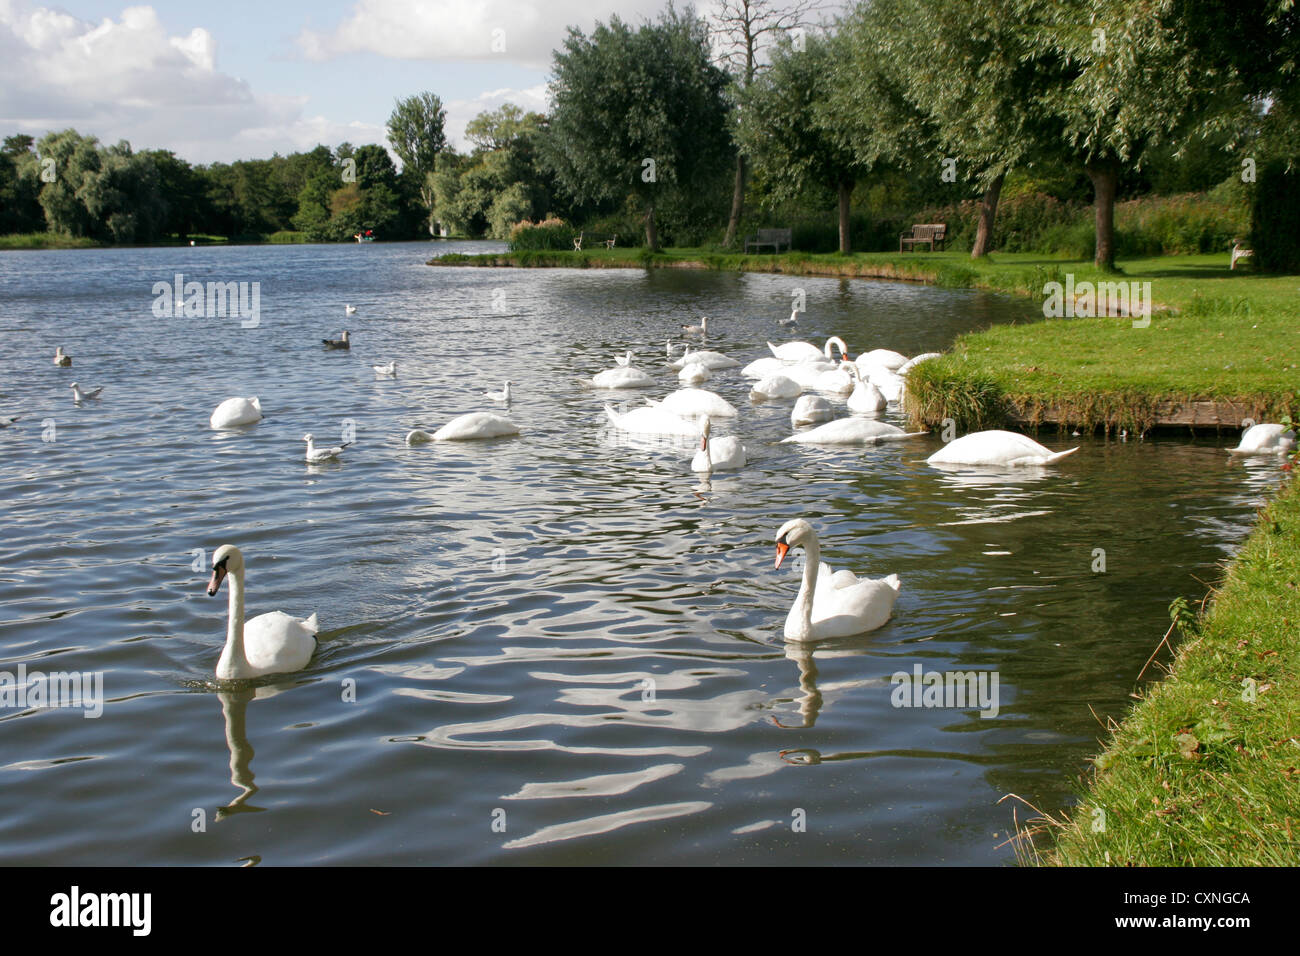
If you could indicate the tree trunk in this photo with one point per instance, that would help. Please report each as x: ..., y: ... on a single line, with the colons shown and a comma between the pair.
x: 1105, y: 179
x: 651, y: 233
x: 988, y: 211
x: 737, y: 203
x: 846, y: 191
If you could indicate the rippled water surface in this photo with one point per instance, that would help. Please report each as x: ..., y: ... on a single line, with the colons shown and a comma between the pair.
x: 560, y: 648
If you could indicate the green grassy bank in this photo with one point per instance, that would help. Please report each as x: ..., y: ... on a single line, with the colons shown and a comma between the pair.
x: 1214, y: 335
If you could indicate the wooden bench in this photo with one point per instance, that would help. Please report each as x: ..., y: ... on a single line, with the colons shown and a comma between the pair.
x: 934, y: 234
x: 1239, y: 253
x: 609, y: 241
x: 776, y: 238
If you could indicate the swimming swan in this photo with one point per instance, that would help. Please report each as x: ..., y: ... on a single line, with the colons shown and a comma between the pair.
x: 475, y: 425
x: 272, y: 643
x: 996, y: 448
x: 234, y: 412
x: 831, y: 603
x: 720, y: 454
x: 1265, y: 440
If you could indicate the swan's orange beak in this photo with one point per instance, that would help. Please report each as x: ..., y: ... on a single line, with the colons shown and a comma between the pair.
x: 218, y: 574
x: 782, y: 549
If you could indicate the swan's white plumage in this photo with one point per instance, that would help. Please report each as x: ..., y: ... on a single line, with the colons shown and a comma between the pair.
x: 271, y: 643
x: 1265, y: 439
x: 811, y: 409
x: 693, y: 402
x: 996, y: 448
x: 622, y: 378
x: 776, y: 386
x: 832, y: 603
x: 476, y: 425
x: 651, y: 420
x: 234, y: 412
x: 851, y: 431
x: 717, y: 454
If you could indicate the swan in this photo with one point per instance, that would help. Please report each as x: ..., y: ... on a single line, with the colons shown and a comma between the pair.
x: 234, y: 412
x: 701, y: 329
x: 693, y: 402
x: 838, y: 380
x: 831, y: 603
x: 389, y: 370
x: 624, y: 360
x: 807, y: 374
x: 807, y: 352
x: 61, y: 360
x: 997, y: 448
x: 1265, y: 440
x: 79, y: 396
x: 418, y: 436
x: 761, y: 368
x: 811, y: 409
x: 915, y: 361
x: 890, y: 383
x: 343, y: 342
x: 886, y: 358
x: 851, y: 431
x: 721, y: 454
x: 622, y: 378
x: 693, y: 373
x: 866, y: 398
x: 710, y: 360
x: 272, y: 643
x: 648, y: 420
x: 793, y: 320
x: 349, y: 310
x: 315, y: 454
x: 775, y: 386
x: 501, y: 396
x: 473, y: 426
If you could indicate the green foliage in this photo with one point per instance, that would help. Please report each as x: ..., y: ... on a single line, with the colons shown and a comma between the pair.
x: 551, y: 234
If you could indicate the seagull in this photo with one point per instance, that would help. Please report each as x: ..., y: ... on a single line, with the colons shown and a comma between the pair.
x: 503, y: 395
x: 315, y: 454
x: 350, y: 309
x: 61, y: 360
x: 7, y: 420
x: 390, y: 369
x: 701, y: 329
x: 625, y: 360
x: 78, y: 395
x: 339, y: 343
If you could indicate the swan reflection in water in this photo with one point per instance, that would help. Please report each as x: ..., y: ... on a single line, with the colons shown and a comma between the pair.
x: 234, y: 709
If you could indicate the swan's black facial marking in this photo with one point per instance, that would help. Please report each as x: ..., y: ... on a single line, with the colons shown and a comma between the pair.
x: 218, y: 574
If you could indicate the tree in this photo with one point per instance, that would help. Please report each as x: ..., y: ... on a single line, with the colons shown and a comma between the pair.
x: 745, y: 28
x: 639, y: 112
x: 417, y: 133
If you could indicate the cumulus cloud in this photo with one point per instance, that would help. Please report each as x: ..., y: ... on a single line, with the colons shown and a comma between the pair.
x: 521, y: 32
x: 460, y: 112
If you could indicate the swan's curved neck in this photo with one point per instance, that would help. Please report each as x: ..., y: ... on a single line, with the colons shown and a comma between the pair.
x: 804, y: 602
x: 233, y: 660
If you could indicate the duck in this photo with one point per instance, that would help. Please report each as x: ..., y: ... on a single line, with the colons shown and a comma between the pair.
x: 866, y: 398
x: 701, y: 329
x: 349, y: 310
x: 851, y: 431
x: 831, y: 603
x: 651, y: 420
x: 775, y: 386
x: 388, y: 371
x: 996, y: 448
x: 622, y: 378
x: 473, y: 426
x: 693, y: 402
x: 234, y: 412
x: 1265, y: 440
x: 61, y: 360
x: 503, y: 395
x: 271, y: 643
x: 721, y: 454
x: 315, y: 454
x: 811, y: 409
x: 79, y: 396
x: 342, y: 342
x: 7, y: 420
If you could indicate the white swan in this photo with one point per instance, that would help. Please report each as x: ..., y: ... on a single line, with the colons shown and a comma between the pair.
x: 651, y: 420
x: 761, y: 368
x: 996, y: 448
x: 473, y: 426
x: 624, y: 360
x: 720, y: 454
x: 775, y: 386
x: 807, y: 352
x: 916, y: 360
x: 831, y: 603
x: 418, y: 436
x: 701, y: 329
x: 694, y: 373
x: 866, y: 398
x: 793, y: 320
x: 710, y: 360
x: 61, y: 360
x: 851, y: 431
x: 811, y: 409
x: 349, y: 310
x: 272, y: 643
x: 342, y: 342
x: 388, y: 371
x: 693, y: 402
x: 622, y: 378
x: 79, y: 396
x: 315, y: 454
x: 503, y: 395
x: 234, y: 412
x: 838, y: 380
x: 1265, y: 440
x: 890, y: 383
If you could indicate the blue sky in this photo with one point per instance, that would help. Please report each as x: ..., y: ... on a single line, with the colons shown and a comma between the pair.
x: 218, y: 81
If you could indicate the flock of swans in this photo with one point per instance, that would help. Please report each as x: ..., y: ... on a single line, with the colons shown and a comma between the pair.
x: 829, y: 603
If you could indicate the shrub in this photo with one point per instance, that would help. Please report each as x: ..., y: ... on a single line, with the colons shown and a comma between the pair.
x: 549, y: 234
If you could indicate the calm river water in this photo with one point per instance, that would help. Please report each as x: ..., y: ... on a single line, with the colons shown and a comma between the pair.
x: 562, y: 648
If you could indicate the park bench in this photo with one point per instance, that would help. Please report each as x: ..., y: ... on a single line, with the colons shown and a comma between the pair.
x: 609, y: 241
x: 934, y: 233
x: 1239, y: 253
x: 776, y: 238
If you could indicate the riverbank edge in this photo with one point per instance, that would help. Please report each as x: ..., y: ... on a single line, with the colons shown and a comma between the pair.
x: 1202, y: 771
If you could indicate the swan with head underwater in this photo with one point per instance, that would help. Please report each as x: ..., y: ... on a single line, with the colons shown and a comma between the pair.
x: 271, y: 643
x: 831, y: 603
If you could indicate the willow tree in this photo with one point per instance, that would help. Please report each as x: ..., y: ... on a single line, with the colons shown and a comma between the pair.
x: 639, y: 112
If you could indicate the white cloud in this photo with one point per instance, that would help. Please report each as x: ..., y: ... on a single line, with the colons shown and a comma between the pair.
x: 521, y: 32
x: 460, y: 112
